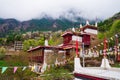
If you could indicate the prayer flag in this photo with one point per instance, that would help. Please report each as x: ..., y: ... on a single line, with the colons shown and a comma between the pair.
x: 15, y: 69
x: 24, y: 68
x: 4, y: 69
x: 32, y: 68
x: 105, y: 46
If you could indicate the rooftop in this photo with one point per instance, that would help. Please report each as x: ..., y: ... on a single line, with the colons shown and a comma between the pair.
x: 45, y: 47
x: 88, y: 26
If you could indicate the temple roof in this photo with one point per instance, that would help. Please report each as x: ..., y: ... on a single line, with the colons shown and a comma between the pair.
x: 45, y: 47
x: 66, y: 33
x: 88, y: 26
x: 63, y: 47
x: 69, y: 46
x: 72, y: 33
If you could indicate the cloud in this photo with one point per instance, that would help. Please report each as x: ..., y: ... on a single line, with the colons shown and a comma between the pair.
x: 29, y: 9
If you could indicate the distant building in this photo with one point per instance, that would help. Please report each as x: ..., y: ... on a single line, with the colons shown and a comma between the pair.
x: 18, y: 45
x: 89, y: 29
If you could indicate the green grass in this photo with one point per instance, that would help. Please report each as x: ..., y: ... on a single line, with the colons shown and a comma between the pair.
x: 3, y: 63
x: 117, y: 65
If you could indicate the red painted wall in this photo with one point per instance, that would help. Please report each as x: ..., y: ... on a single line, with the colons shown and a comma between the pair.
x: 86, y: 39
x: 67, y: 39
x: 37, y: 56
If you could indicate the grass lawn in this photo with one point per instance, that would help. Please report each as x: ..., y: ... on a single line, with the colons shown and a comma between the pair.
x: 117, y: 65
x: 17, y: 63
x: 3, y: 63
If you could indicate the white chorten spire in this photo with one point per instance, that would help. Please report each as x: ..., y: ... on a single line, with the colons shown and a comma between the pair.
x: 87, y: 22
x: 73, y: 29
x: 96, y: 24
x: 81, y: 26
x: 46, y: 42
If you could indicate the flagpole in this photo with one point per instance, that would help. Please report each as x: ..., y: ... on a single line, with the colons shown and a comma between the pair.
x: 116, y: 45
x: 77, y: 64
x: 105, y: 45
x: 83, y: 55
x: 77, y: 48
x: 105, y: 63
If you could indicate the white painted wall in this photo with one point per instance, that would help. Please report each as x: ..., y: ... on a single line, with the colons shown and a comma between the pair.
x: 91, y: 31
x: 47, y: 51
x: 61, y: 51
x: 74, y: 38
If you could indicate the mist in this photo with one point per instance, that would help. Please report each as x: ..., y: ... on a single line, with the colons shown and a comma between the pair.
x: 35, y: 9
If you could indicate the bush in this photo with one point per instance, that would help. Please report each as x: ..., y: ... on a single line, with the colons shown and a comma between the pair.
x: 19, y: 75
x: 2, y: 53
x: 57, y: 73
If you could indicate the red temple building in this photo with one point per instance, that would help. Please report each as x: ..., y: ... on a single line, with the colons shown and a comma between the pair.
x: 58, y: 54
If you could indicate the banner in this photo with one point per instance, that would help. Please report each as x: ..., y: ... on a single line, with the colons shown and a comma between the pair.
x: 32, y: 68
x: 15, y: 69
x: 105, y: 46
x: 24, y: 68
x: 4, y: 69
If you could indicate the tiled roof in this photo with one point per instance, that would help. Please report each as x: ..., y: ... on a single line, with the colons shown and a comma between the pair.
x: 69, y: 46
x: 89, y: 26
x: 71, y: 33
x: 67, y: 33
x: 44, y: 47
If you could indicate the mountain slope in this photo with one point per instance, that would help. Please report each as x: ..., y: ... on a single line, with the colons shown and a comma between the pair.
x: 110, y: 26
x: 106, y: 25
x: 8, y: 26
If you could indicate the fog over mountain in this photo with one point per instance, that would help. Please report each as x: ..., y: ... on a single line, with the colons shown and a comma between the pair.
x: 71, y: 9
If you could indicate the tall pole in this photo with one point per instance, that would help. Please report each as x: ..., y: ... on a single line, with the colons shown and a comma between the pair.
x: 105, y: 46
x: 105, y: 63
x: 83, y: 55
x: 116, y: 47
x: 77, y: 48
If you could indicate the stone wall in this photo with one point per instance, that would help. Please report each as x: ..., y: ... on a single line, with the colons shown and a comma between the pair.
x: 50, y: 56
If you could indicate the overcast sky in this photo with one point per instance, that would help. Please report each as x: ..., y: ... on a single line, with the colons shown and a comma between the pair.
x: 29, y: 9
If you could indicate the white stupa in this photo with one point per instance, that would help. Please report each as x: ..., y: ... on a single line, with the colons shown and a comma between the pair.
x: 81, y: 26
x: 77, y: 65
x: 96, y: 24
x: 44, y: 67
x: 73, y: 29
x: 105, y: 63
x: 56, y: 62
x: 46, y: 42
x: 87, y: 22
